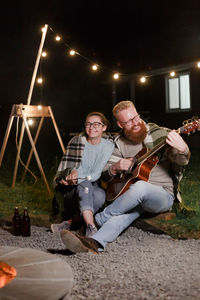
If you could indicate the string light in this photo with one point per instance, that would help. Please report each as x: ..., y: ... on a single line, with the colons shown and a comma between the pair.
x: 72, y: 52
x: 143, y: 79
x: 172, y: 74
x: 30, y: 122
x: 57, y: 38
x: 95, y: 67
x: 116, y: 76
x: 39, y: 80
x: 44, y: 54
x: 39, y: 107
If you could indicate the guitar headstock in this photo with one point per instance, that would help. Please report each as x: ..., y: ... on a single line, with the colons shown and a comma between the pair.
x: 190, y: 125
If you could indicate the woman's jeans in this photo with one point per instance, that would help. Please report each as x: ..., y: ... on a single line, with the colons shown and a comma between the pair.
x: 90, y: 196
x: 141, y: 196
x: 70, y: 199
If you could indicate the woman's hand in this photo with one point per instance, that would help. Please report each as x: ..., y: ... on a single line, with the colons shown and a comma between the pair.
x: 71, y: 179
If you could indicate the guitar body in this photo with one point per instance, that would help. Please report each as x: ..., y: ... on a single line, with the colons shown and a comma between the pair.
x: 120, y: 183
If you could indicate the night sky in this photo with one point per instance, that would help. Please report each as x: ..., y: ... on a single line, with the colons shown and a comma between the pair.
x: 129, y: 36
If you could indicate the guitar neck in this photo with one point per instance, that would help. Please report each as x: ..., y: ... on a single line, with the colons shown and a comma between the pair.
x: 150, y: 152
x: 157, y: 147
x: 190, y: 125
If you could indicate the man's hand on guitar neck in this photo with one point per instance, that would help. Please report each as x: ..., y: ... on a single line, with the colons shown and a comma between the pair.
x: 121, y: 165
x: 176, y: 141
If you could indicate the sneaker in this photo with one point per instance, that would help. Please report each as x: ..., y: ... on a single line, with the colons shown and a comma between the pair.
x: 77, y: 243
x: 55, y: 228
x: 90, y: 230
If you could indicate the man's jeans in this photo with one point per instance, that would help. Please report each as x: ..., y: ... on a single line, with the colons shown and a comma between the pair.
x: 141, y: 196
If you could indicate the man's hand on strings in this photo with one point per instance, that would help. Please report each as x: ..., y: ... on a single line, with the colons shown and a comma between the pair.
x: 121, y: 165
x: 176, y: 141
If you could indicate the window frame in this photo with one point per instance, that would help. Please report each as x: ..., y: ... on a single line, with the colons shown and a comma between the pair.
x: 179, y: 109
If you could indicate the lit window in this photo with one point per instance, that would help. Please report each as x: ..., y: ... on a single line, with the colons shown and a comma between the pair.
x: 178, y: 93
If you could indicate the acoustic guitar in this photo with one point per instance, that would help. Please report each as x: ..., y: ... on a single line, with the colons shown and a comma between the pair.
x: 143, y: 163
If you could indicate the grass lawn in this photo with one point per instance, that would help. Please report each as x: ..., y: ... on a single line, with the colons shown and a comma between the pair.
x: 32, y: 193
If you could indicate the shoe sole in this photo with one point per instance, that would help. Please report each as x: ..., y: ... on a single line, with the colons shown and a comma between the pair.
x: 73, y: 243
x: 52, y: 229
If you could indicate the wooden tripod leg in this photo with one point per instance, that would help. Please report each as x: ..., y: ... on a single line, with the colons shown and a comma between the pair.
x: 18, y: 155
x: 31, y: 152
x: 56, y: 129
x: 36, y: 154
x: 7, y: 135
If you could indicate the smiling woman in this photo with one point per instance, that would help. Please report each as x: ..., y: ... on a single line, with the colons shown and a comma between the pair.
x: 96, y: 124
x: 79, y: 172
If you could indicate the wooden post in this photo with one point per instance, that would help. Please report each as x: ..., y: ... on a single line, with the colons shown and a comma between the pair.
x: 44, y: 32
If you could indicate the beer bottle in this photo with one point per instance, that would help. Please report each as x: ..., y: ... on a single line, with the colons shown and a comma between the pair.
x: 16, y: 222
x: 26, y: 228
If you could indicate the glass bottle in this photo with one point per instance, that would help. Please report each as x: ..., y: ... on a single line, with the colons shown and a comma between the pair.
x: 26, y: 228
x: 16, y: 222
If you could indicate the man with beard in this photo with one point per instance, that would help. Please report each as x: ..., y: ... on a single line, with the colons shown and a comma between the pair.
x: 153, y: 194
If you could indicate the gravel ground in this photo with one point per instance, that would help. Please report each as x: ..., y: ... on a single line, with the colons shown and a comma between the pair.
x: 138, y: 265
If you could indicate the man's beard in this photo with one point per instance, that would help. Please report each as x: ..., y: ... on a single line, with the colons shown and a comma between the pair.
x: 136, y: 137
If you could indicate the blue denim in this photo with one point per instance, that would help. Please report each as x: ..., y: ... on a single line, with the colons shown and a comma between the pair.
x: 91, y: 196
x: 141, y: 196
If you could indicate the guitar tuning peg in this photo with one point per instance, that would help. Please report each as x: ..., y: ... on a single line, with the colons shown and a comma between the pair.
x: 185, y: 122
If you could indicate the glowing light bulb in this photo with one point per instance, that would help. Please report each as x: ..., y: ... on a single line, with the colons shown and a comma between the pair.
x: 95, y: 67
x: 57, y: 38
x: 143, y: 79
x: 43, y: 29
x: 172, y: 74
x: 39, y: 107
x: 39, y: 80
x: 30, y: 122
x: 198, y: 64
x: 72, y: 52
x: 44, y: 54
x: 116, y: 76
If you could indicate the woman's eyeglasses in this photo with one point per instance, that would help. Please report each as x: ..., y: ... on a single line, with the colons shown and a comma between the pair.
x: 94, y: 124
